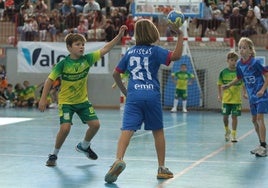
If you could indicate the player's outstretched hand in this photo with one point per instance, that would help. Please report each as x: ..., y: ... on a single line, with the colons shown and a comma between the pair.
x: 122, y: 30
x: 175, y: 28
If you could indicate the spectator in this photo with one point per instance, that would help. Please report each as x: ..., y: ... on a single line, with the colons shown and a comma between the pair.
x: 79, y: 5
x: 97, y: 29
x: 130, y: 25
x: 254, y: 6
x: 40, y: 7
x: 236, y: 24
x: 2, y: 9
x: 264, y: 15
x: 243, y: 9
x: 43, y: 26
x: 71, y: 22
x: 55, y: 23
x: 3, y: 76
x: 20, y: 23
x: 117, y: 19
x: 11, y: 96
x: 66, y: 7
x: 109, y: 30
x: 28, y: 7
x: 29, y: 95
x: 90, y: 7
x: 250, y: 24
x: 2, y: 97
x: 19, y: 93
x: 82, y: 28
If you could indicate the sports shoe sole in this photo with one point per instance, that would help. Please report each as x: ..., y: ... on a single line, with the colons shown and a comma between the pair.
x: 164, y: 176
x: 86, y: 153
x: 115, y: 171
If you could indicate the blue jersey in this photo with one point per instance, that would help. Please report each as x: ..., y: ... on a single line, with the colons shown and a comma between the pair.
x: 252, y: 72
x: 142, y: 63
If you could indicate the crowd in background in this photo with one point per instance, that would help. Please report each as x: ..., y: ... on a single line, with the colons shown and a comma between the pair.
x: 101, y: 19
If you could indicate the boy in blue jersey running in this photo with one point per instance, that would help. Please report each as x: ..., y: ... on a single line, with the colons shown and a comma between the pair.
x: 143, y: 97
x: 255, y: 78
x: 73, y: 96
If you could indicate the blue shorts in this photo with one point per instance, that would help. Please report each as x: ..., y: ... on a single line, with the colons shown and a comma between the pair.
x: 138, y: 112
x: 259, y: 108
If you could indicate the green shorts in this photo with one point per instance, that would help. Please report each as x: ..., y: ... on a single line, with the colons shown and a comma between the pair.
x: 181, y: 93
x: 234, y: 109
x: 85, y: 111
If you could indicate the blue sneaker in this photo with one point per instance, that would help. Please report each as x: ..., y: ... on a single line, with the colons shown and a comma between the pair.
x: 115, y: 170
x: 88, y: 152
x: 51, y: 160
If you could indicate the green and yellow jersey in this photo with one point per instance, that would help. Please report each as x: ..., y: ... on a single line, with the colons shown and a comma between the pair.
x: 74, y: 74
x: 29, y: 92
x: 182, y: 79
x: 231, y: 95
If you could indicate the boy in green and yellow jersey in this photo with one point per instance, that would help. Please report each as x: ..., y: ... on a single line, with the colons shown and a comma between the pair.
x: 73, y: 96
x: 231, y: 98
x: 181, y: 79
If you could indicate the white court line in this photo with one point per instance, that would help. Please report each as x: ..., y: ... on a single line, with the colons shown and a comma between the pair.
x: 150, y: 132
x: 10, y: 120
x: 202, y: 160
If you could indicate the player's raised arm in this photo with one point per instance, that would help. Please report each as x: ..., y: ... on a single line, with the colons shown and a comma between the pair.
x: 113, y: 42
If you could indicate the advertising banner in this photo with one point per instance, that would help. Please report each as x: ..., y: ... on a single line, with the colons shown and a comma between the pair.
x: 39, y: 57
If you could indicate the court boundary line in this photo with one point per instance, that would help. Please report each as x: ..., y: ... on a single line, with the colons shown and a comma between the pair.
x: 202, y: 160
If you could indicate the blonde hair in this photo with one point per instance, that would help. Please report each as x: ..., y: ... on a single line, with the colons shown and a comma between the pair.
x: 250, y: 44
x: 73, y: 37
x: 146, y: 32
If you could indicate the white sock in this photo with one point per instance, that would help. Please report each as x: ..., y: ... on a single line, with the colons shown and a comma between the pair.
x: 56, y: 151
x: 175, y: 103
x: 184, y: 104
x: 85, y: 144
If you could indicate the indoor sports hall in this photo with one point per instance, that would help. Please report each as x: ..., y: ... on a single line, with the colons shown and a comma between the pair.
x: 196, y: 152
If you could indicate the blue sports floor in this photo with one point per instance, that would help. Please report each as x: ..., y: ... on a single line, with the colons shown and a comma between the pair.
x: 196, y: 153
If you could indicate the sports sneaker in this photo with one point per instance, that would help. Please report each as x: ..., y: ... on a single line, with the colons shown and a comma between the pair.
x: 88, y: 152
x: 233, y: 139
x: 254, y: 151
x: 261, y: 152
x: 116, y: 169
x: 173, y: 109
x: 227, y: 135
x: 51, y: 160
x: 164, y: 173
x: 184, y: 111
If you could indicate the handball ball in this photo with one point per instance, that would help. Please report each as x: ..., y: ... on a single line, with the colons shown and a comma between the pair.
x: 175, y: 18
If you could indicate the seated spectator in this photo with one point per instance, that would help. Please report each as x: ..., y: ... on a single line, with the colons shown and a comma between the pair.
x: 264, y: 15
x: 40, y: 7
x: 97, y: 28
x: 109, y: 30
x: 2, y: 97
x: 55, y: 24
x: 236, y: 24
x: 130, y: 25
x: 71, y: 22
x: 28, y: 29
x: 18, y: 89
x: 79, y: 5
x: 29, y: 95
x: 250, y: 24
x: 243, y: 9
x: 43, y: 26
x: 90, y: 7
x: 118, y: 19
x: 3, y: 77
x: 2, y: 9
x: 66, y: 7
x: 28, y: 7
x: 11, y: 96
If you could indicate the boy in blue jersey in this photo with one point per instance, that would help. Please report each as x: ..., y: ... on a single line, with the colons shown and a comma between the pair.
x: 73, y: 96
x: 255, y: 78
x: 143, y: 97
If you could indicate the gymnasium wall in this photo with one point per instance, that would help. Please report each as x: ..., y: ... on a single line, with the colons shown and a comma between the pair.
x: 99, y: 85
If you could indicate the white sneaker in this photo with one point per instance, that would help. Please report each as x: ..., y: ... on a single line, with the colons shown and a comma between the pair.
x: 227, y: 135
x: 254, y: 151
x: 53, y: 105
x: 184, y: 110
x: 262, y: 152
x: 173, y: 109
